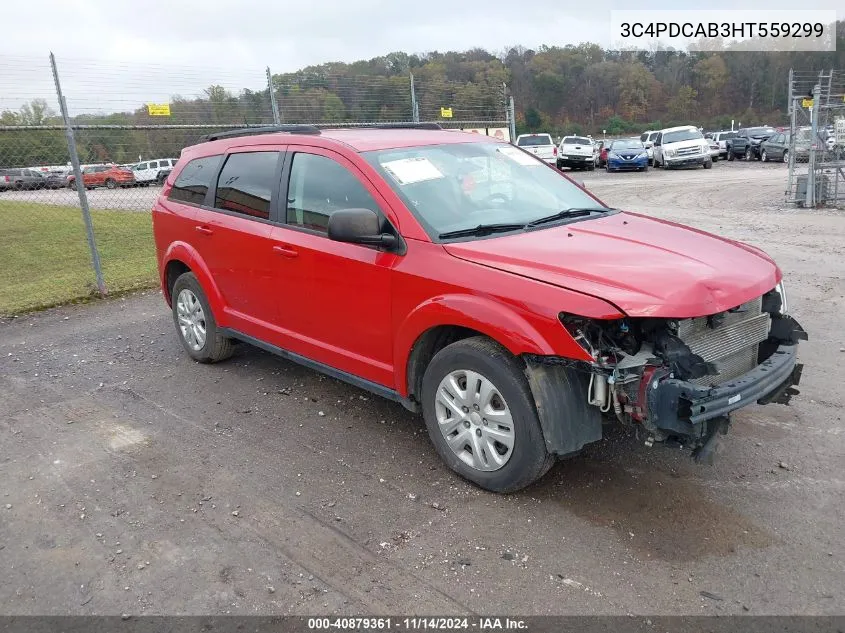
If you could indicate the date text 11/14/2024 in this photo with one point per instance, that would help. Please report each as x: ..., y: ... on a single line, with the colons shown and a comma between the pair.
x: 481, y: 624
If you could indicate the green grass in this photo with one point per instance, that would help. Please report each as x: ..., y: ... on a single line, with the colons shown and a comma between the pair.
x: 44, y: 257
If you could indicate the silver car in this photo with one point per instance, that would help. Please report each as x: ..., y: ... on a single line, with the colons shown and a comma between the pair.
x: 19, y: 179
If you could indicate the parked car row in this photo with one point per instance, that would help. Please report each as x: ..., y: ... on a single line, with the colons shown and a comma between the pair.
x: 681, y: 146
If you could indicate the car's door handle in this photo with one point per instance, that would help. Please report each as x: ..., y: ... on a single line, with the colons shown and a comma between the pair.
x: 204, y: 230
x: 285, y: 251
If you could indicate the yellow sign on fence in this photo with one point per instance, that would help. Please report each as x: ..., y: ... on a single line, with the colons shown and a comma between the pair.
x: 446, y: 113
x: 807, y: 103
x: 158, y: 109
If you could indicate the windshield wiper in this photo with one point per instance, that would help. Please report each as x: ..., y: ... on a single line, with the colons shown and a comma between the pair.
x: 481, y: 229
x: 574, y: 212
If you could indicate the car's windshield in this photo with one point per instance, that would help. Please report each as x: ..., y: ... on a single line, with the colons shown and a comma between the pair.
x: 681, y: 135
x: 627, y: 144
x: 575, y: 140
x: 458, y: 186
x: 726, y: 135
x: 534, y: 139
x: 761, y: 131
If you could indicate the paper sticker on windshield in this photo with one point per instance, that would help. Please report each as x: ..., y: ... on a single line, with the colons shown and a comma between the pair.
x: 519, y: 156
x: 407, y: 171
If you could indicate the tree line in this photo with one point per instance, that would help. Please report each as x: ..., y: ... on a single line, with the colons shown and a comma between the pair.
x: 558, y: 89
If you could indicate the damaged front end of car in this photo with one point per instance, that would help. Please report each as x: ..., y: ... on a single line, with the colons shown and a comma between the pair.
x: 681, y: 378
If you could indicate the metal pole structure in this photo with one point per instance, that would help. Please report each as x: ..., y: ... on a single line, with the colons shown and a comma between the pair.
x: 790, y: 181
x: 512, y: 120
x: 275, y: 106
x: 415, y: 110
x: 789, y: 103
x: 80, y: 185
x: 810, y: 199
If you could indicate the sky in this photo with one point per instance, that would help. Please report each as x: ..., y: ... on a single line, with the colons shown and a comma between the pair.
x: 115, y: 54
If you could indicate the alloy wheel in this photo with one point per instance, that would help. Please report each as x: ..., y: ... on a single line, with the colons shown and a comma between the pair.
x: 191, y: 319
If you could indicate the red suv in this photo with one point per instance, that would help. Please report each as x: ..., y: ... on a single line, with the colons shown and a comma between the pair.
x: 470, y: 281
x: 109, y: 176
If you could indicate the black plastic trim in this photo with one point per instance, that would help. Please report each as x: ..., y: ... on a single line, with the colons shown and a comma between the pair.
x: 770, y: 378
x: 362, y: 383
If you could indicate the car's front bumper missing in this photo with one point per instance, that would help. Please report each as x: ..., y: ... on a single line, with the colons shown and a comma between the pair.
x: 680, y: 407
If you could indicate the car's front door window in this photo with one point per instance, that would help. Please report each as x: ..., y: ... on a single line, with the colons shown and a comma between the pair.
x: 318, y: 187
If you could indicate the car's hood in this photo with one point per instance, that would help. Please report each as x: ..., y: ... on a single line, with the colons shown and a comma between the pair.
x: 694, y: 142
x: 645, y: 267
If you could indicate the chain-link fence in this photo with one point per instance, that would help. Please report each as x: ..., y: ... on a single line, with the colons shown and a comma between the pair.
x: 817, y: 139
x: 75, y: 215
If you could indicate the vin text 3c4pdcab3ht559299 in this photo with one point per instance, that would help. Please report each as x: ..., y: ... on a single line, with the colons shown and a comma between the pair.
x: 473, y: 282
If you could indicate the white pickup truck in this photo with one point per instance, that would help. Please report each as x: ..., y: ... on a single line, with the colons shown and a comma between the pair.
x: 576, y: 152
x: 541, y: 145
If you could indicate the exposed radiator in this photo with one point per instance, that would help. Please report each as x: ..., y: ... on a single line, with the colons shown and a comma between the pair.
x: 733, y: 345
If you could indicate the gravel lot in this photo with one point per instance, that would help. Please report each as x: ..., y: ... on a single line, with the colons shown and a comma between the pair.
x: 129, y: 198
x: 135, y: 481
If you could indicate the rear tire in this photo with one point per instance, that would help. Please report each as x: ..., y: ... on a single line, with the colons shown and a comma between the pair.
x: 195, y: 323
x: 464, y: 382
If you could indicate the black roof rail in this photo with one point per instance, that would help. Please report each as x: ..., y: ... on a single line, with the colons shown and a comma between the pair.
x: 404, y: 126
x: 267, y: 129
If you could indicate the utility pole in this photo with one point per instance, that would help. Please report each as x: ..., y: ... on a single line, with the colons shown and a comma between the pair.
x: 512, y: 120
x: 415, y: 110
x: 80, y: 185
x: 275, y: 106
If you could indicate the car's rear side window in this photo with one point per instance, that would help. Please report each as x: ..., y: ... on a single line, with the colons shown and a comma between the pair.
x: 195, y: 179
x: 246, y: 183
x: 318, y: 187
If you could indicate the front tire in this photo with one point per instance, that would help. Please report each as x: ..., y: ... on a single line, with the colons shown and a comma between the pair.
x: 786, y: 155
x: 708, y: 164
x: 110, y: 184
x: 195, y: 322
x: 591, y: 167
x: 748, y: 153
x: 481, y: 416
x: 731, y: 155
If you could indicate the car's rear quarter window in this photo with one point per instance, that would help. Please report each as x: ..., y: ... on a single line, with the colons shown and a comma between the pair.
x: 246, y: 183
x: 194, y: 180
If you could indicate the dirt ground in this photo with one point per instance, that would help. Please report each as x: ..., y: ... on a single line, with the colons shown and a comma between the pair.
x: 136, y: 481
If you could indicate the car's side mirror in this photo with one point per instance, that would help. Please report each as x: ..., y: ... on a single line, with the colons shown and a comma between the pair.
x: 359, y: 226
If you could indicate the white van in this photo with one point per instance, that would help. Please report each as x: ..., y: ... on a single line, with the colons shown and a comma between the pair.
x: 681, y: 146
x: 647, y: 138
x: 150, y: 171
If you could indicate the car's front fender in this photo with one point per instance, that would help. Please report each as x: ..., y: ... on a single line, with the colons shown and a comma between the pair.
x: 518, y: 333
